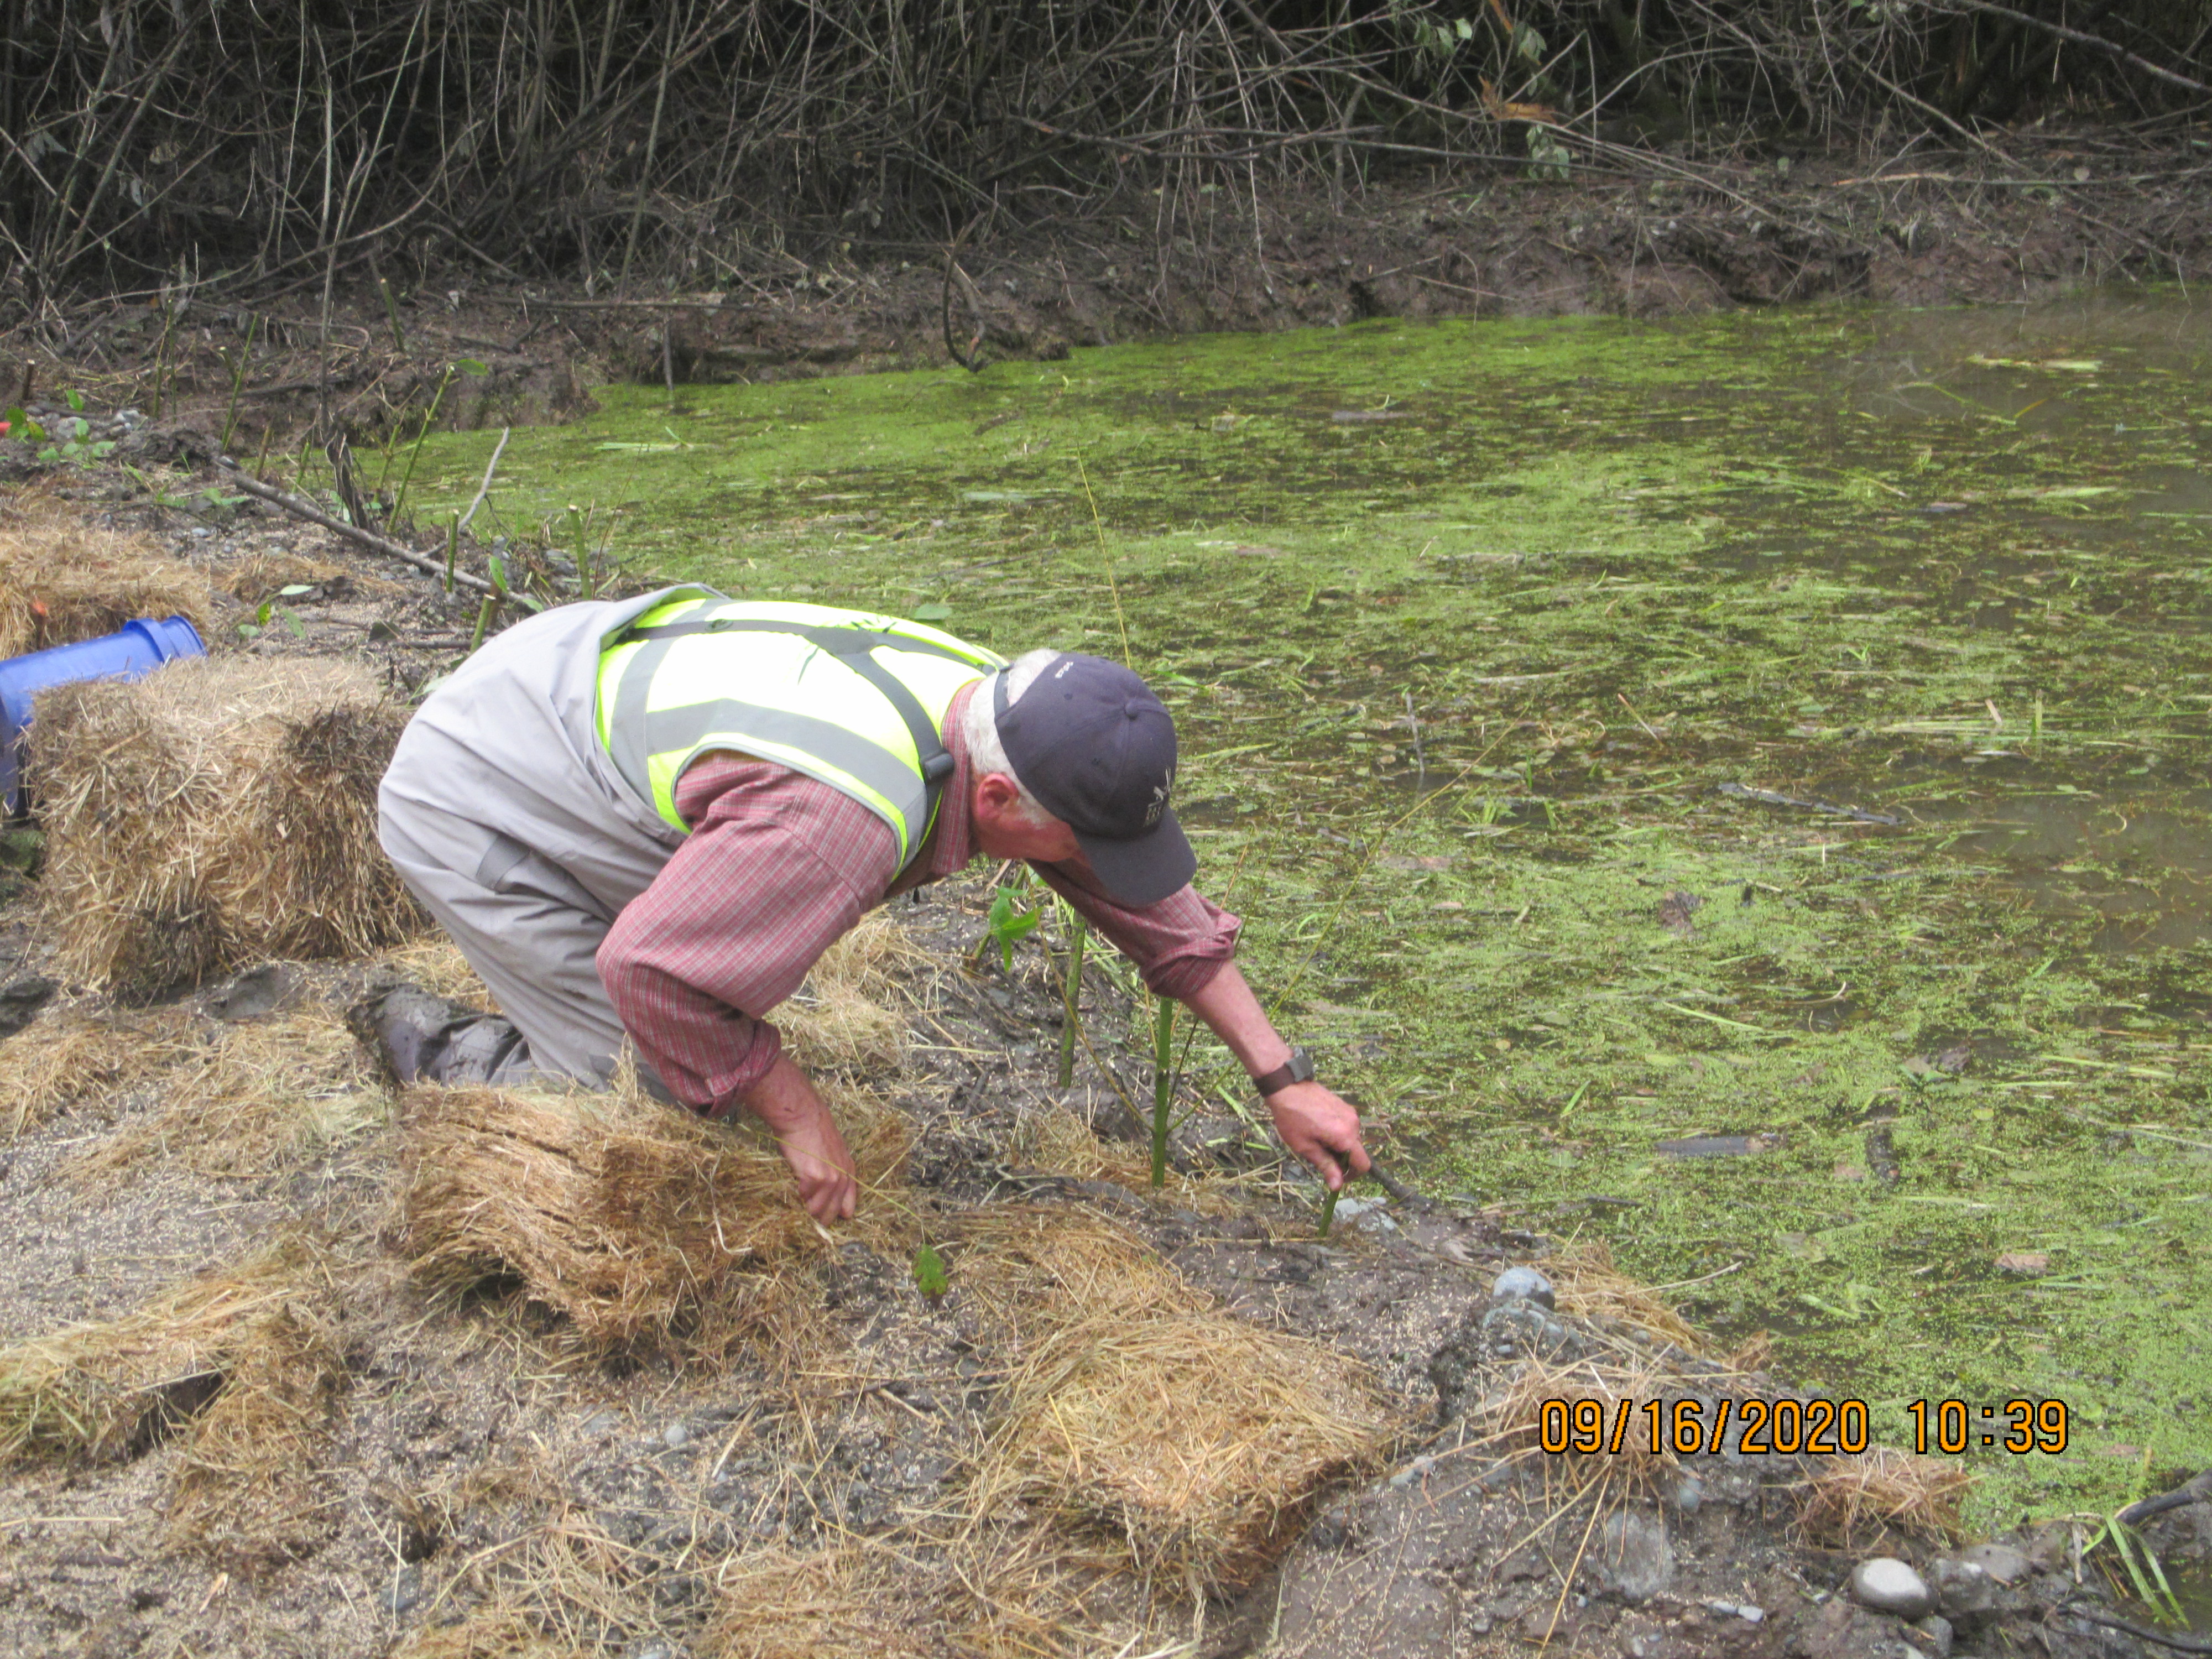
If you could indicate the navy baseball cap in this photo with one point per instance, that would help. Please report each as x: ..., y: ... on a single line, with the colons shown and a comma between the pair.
x: 1097, y: 749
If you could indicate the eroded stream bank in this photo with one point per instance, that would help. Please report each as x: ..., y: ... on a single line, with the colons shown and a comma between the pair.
x: 1466, y: 624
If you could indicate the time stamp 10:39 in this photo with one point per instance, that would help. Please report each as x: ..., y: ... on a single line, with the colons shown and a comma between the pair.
x: 1784, y: 1428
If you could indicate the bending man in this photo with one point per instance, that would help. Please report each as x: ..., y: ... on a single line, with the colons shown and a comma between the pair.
x: 648, y: 818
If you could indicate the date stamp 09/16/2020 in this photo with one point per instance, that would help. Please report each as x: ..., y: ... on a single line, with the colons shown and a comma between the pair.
x: 1786, y: 1427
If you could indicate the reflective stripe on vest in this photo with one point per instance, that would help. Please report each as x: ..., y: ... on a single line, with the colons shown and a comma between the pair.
x: 702, y: 673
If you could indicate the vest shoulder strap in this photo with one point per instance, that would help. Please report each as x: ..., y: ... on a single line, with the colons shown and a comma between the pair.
x: 855, y: 647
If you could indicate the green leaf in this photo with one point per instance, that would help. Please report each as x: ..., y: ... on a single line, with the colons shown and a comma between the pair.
x: 294, y: 590
x: 929, y: 1275
x: 292, y: 624
x: 74, y: 398
x: 470, y: 365
x: 1529, y: 43
x: 932, y: 612
x: 499, y: 575
x: 266, y: 610
x: 1462, y: 29
x: 1009, y: 926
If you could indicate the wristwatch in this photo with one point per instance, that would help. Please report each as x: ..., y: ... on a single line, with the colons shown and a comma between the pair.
x: 1298, y: 1069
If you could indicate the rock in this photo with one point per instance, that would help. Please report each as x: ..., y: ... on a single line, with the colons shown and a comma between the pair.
x: 675, y: 1435
x: 259, y: 992
x: 1688, y: 1494
x: 1963, y: 1589
x: 1935, y: 1633
x: 1843, y: 1630
x: 602, y: 1422
x: 1635, y: 1560
x: 2000, y: 1561
x: 20, y: 999
x: 1886, y: 1584
x: 1413, y: 1472
x: 1520, y: 1284
x: 404, y: 1590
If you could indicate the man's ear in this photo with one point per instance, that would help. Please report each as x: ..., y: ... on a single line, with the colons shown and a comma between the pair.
x: 994, y: 792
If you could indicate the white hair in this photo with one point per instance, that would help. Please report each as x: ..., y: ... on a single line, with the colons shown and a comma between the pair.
x: 980, y: 725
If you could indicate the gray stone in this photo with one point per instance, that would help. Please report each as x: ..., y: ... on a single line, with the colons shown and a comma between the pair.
x: 1886, y: 1584
x: 602, y: 1423
x: 1635, y: 1560
x: 1522, y: 1284
x: 1750, y: 1614
x: 1934, y: 1631
x: 1413, y: 1471
x: 1688, y: 1495
x: 2000, y: 1561
x: 1963, y: 1590
x: 404, y: 1590
x: 675, y: 1435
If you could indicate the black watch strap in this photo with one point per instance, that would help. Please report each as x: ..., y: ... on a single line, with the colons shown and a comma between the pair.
x: 1298, y: 1069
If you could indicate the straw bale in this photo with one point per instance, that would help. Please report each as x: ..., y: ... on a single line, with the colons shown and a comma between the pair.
x: 849, y: 1600
x: 111, y: 1388
x: 1141, y: 1409
x: 1590, y: 1286
x: 246, y: 1494
x: 65, y: 1058
x: 1022, y: 1590
x: 1629, y: 1380
x: 1853, y: 1500
x: 256, y: 1096
x: 844, y: 1017
x: 64, y: 578
x: 636, y: 1220
x: 216, y: 812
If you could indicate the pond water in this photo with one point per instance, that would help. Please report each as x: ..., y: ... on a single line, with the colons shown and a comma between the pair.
x: 1465, y: 622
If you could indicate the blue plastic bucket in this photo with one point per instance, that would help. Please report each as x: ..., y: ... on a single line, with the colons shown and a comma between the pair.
x: 138, y: 647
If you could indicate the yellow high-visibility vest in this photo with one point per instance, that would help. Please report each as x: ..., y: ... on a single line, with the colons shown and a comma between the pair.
x: 853, y: 699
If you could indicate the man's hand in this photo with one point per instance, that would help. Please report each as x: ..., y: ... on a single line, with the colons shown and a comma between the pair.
x: 807, y: 1137
x: 1321, y: 1128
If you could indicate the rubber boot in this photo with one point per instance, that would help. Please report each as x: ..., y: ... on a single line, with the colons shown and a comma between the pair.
x: 422, y: 1038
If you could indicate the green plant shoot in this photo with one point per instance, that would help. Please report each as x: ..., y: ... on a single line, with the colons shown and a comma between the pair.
x: 930, y: 1277
x: 1162, y: 1086
x: 1070, y: 994
x: 1008, y: 924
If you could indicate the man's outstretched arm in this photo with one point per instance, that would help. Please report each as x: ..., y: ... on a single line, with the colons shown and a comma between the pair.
x: 1313, y: 1122
x: 807, y: 1136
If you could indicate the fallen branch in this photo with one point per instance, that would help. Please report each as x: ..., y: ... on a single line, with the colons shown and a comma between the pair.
x: 375, y: 544
x: 2179, y: 1641
x: 484, y: 489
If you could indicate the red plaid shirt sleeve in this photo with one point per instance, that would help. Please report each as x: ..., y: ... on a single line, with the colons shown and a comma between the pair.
x: 1178, y: 943
x: 777, y: 868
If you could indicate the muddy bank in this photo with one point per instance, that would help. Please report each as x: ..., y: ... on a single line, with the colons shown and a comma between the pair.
x: 1668, y: 237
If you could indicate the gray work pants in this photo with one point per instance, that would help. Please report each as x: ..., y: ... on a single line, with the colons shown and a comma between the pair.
x: 504, y: 816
